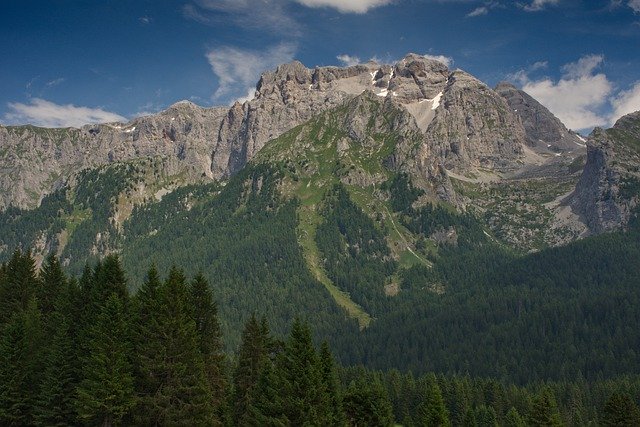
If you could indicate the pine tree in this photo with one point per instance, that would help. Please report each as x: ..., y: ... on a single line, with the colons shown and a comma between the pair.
x: 301, y: 387
x: 544, y: 411
x: 19, y: 286
x: 53, y: 284
x: 432, y: 410
x: 173, y: 382
x: 332, y: 411
x: 205, y: 315
x: 250, y: 361
x: 365, y: 403
x: 20, y: 366
x: 106, y: 393
x: 514, y: 419
x: 620, y: 410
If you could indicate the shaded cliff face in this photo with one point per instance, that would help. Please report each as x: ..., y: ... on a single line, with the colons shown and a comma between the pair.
x: 609, y: 188
x: 542, y: 128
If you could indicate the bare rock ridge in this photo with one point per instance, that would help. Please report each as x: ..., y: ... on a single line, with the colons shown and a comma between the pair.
x: 542, y: 128
x: 609, y: 187
x: 466, y: 125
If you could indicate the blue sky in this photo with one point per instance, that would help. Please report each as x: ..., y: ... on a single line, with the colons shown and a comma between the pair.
x: 71, y: 62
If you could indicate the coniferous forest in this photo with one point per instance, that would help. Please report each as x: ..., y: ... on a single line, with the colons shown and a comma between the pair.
x: 86, y: 352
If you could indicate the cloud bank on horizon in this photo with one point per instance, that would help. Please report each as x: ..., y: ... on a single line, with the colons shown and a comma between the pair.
x: 236, y: 41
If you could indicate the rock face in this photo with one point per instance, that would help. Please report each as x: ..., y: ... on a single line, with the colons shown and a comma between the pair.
x: 465, y: 125
x: 609, y: 188
x: 542, y: 128
x: 474, y: 127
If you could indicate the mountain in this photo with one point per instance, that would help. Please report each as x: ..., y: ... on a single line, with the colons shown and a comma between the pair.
x: 405, y: 203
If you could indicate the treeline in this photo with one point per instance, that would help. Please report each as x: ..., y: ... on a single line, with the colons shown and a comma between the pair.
x: 86, y: 352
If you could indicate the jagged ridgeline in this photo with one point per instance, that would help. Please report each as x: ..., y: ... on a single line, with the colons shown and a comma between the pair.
x: 416, y: 217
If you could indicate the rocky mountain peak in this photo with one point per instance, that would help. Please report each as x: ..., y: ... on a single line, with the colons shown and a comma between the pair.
x: 543, y: 129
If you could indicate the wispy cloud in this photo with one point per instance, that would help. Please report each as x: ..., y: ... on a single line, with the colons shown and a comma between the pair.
x: 478, y: 11
x: 238, y: 70
x: 346, y: 6
x: 55, y: 82
x: 446, y: 60
x: 145, y: 20
x: 268, y: 15
x: 41, y: 112
x: 348, y: 60
x: 635, y: 5
x: 538, y: 5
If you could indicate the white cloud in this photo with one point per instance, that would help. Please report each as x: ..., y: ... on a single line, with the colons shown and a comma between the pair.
x: 55, y: 82
x: 446, y: 60
x: 268, y: 15
x: 635, y: 5
x: 626, y: 102
x: 537, y: 5
x: 578, y: 97
x: 348, y: 60
x: 48, y: 114
x: 478, y: 11
x: 238, y: 70
x: 346, y: 6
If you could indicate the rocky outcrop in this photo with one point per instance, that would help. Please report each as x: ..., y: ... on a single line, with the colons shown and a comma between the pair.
x: 474, y: 127
x: 609, y: 187
x: 542, y: 128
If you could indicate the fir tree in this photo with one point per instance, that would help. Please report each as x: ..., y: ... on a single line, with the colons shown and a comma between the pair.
x: 172, y: 376
x: 53, y: 284
x: 250, y: 361
x: 486, y: 416
x: 20, y: 366
x: 19, y: 286
x: 332, y: 411
x: 514, y: 419
x: 432, y: 410
x: 365, y: 403
x: 544, y: 411
x: 620, y: 410
x: 106, y: 394
x: 205, y: 315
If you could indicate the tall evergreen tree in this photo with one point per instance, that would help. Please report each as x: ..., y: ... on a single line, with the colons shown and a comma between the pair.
x: 366, y: 403
x: 52, y: 284
x: 250, y: 361
x: 173, y: 381
x: 205, y: 315
x: 332, y: 411
x: 20, y: 366
x: 514, y: 419
x: 106, y: 394
x: 19, y: 286
x: 620, y: 410
x: 302, y: 388
x: 544, y: 411
x: 432, y: 410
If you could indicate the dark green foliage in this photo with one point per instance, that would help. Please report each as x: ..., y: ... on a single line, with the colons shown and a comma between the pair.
x: 106, y: 393
x: 544, y: 411
x: 332, y: 403
x: 52, y: 286
x: 432, y: 410
x: 356, y: 255
x: 620, y: 410
x: 403, y: 193
x: 172, y: 379
x: 514, y: 419
x: 20, y: 366
x: 365, y: 403
x: 19, y: 285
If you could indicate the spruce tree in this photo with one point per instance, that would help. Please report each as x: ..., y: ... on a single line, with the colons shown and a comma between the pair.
x: 52, y: 284
x: 332, y: 411
x: 172, y: 378
x: 432, y: 410
x: 620, y: 410
x: 298, y: 368
x: 266, y: 403
x: 19, y: 286
x: 20, y: 366
x: 365, y: 403
x: 514, y: 419
x: 106, y: 394
x: 544, y: 411
x: 205, y: 315
x: 250, y: 361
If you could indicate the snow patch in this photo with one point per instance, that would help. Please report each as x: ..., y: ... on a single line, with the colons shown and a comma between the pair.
x: 436, y: 101
x: 130, y: 130
x: 384, y: 92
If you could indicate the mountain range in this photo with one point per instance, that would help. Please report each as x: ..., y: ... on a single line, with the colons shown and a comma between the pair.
x: 357, y: 197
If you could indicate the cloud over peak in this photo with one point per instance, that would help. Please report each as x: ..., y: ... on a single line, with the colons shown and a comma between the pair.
x: 346, y: 6
x: 40, y: 112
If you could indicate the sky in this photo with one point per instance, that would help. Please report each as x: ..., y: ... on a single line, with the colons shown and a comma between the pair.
x: 71, y: 62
